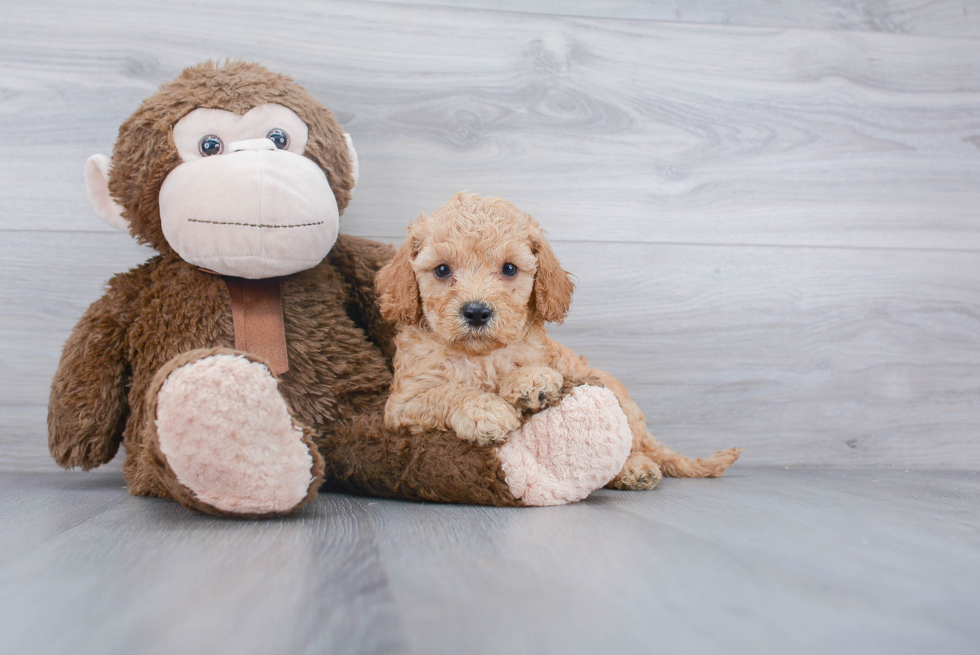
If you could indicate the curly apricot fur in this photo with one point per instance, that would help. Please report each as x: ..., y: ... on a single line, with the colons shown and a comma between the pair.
x: 448, y: 373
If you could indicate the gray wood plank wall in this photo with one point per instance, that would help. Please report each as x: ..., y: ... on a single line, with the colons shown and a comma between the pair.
x: 771, y: 209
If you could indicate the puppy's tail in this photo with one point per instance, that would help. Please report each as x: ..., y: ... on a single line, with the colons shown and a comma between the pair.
x: 675, y: 465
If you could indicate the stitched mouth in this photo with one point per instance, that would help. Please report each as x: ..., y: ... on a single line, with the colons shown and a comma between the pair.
x: 233, y: 223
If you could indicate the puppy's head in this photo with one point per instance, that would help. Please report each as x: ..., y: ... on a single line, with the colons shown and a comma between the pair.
x: 477, y: 272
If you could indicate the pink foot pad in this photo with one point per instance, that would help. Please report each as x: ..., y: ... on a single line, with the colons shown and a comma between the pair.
x: 565, y: 452
x: 228, y: 437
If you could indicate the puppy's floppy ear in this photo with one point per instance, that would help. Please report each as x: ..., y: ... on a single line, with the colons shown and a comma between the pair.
x: 552, y: 295
x: 397, y: 287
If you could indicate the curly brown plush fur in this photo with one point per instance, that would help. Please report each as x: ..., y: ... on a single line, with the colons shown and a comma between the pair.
x: 158, y: 316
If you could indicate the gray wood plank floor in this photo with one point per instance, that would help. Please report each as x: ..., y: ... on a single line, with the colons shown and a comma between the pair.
x: 758, y: 561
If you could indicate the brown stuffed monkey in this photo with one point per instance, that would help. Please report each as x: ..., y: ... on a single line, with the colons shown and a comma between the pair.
x: 247, y: 363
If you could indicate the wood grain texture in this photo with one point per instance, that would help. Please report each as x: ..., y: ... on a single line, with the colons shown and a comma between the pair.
x: 626, y: 130
x: 758, y: 561
x: 774, y: 229
x: 24, y: 441
x: 112, y: 573
x: 956, y: 18
x: 801, y: 355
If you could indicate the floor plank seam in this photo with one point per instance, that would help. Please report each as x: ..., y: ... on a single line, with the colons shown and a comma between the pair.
x: 665, y: 22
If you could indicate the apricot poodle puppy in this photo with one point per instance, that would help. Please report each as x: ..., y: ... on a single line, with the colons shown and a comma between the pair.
x: 471, y: 289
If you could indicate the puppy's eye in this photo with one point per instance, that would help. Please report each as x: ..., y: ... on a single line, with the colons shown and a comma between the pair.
x: 509, y: 270
x: 278, y: 137
x: 443, y: 270
x: 209, y: 145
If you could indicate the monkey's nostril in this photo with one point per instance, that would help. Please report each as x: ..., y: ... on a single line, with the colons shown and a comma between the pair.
x: 476, y: 313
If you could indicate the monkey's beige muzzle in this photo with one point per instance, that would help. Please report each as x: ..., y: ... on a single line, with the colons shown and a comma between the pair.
x: 255, y: 212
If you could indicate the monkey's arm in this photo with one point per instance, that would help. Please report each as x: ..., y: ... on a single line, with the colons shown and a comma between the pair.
x: 88, y: 409
x: 358, y: 260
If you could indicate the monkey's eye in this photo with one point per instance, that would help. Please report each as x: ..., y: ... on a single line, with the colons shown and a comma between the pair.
x: 443, y: 271
x: 509, y: 270
x: 210, y: 145
x: 280, y: 138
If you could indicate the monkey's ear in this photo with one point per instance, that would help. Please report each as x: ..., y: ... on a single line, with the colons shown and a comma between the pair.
x: 97, y: 186
x: 355, y: 168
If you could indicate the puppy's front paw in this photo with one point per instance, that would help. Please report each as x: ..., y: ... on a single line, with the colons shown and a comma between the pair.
x: 486, y: 419
x: 532, y: 388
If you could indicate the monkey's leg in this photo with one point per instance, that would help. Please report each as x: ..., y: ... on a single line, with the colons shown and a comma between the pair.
x: 221, y: 439
x: 558, y: 456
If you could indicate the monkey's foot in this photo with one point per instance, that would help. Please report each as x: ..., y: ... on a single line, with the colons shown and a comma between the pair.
x: 565, y: 452
x: 225, y: 438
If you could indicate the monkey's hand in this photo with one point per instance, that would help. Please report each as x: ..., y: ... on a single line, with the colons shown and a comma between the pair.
x: 88, y: 406
x: 532, y: 388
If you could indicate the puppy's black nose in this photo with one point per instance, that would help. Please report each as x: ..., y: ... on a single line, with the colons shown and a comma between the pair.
x: 476, y: 313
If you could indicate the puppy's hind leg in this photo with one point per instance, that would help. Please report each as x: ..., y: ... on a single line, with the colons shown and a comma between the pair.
x: 650, y: 460
x: 640, y: 472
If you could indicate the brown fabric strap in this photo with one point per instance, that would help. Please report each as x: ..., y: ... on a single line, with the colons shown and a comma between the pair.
x: 256, y: 310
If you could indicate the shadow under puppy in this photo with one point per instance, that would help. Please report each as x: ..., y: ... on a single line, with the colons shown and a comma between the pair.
x: 471, y: 289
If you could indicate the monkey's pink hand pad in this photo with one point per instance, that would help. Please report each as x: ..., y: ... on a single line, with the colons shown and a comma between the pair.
x: 228, y: 436
x: 567, y: 451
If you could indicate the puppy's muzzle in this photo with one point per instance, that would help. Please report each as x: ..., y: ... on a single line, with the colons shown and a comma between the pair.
x: 476, y: 314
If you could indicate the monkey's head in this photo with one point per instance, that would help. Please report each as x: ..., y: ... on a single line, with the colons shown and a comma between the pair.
x: 231, y: 167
